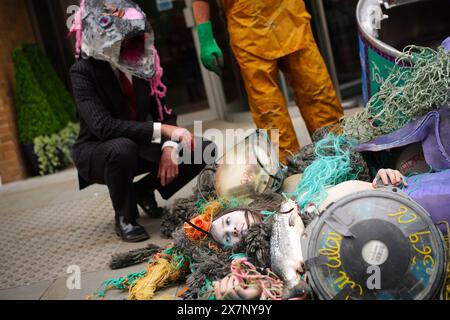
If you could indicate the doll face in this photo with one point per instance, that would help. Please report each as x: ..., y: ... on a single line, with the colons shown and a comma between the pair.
x: 230, y: 228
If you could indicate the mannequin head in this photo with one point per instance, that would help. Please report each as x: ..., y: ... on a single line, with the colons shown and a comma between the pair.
x: 229, y: 228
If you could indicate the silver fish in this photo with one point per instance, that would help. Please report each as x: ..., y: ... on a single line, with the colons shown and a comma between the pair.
x: 286, y: 255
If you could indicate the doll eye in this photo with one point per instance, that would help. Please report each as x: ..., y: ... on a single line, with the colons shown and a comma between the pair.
x: 105, y: 21
x: 228, y: 221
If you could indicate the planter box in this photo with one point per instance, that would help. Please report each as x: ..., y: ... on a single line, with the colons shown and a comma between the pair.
x: 30, y: 159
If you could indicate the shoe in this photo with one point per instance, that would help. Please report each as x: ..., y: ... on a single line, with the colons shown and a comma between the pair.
x: 130, y: 231
x: 148, y: 204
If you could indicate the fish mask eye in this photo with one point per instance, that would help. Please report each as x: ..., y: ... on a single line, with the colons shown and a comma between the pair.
x: 105, y: 21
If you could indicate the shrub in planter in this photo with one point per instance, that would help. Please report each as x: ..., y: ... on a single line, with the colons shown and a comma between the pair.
x: 48, y: 151
x: 68, y: 137
x: 53, y: 151
x: 31, y: 160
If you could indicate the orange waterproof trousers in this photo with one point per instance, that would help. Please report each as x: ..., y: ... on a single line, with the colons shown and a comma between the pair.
x: 307, y: 74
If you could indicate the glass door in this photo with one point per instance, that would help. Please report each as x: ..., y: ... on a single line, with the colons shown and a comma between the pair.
x: 231, y: 81
x: 188, y: 91
x: 336, y: 28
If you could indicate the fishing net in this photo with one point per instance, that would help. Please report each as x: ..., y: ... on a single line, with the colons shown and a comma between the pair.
x: 407, y: 94
x: 332, y: 166
x: 299, y: 162
x: 418, y: 84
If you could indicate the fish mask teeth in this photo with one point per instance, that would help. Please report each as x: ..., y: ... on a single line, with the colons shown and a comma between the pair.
x: 118, y: 32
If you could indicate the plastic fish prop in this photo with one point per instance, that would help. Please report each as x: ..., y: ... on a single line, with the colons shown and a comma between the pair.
x: 286, y: 255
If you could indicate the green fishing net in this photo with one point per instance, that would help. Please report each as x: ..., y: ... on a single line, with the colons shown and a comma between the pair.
x: 419, y: 84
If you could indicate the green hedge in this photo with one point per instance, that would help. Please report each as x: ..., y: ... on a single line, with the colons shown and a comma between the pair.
x: 35, y: 116
x: 44, y: 106
x: 57, y: 95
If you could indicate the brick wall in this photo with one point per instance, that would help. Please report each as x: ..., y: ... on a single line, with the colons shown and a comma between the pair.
x: 15, y: 28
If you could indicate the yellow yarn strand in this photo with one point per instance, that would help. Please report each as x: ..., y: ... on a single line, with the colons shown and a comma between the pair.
x: 158, y: 275
x: 165, y: 267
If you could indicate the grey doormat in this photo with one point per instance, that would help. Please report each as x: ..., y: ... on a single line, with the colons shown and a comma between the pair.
x: 40, y: 244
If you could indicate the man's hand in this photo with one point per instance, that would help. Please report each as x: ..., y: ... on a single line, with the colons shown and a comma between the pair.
x: 178, y: 134
x: 389, y: 176
x: 168, y: 169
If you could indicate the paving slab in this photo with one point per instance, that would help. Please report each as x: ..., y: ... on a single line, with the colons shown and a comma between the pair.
x: 92, y: 281
x: 31, y: 292
x: 61, y: 188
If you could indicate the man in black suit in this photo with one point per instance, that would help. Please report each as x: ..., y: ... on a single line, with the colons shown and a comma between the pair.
x: 124, y: 131
x: 112, y: 149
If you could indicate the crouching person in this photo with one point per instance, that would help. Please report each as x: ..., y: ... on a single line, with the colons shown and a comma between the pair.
x: 125, y: 128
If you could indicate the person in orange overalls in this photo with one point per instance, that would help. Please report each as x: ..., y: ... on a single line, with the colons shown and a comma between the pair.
x: 267, y: 36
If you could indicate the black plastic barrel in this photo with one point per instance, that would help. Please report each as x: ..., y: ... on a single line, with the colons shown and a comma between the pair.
x: 375, y: 245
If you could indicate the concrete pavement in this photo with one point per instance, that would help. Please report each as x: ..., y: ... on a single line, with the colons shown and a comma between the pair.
x: 61, y: 191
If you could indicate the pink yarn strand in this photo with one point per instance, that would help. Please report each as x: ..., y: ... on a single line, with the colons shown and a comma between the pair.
x: 77, y: 28
x: 271, y: 286
x: 157, y: 87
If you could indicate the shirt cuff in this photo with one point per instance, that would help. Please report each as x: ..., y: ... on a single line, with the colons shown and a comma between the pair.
x: 169, y: 144
x: 156, y: 132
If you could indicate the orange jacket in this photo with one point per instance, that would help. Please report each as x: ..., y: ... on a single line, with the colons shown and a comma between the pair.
x: 267, y: 28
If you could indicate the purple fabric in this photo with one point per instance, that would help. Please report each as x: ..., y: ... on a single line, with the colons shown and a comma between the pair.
x: 446, y: 44
x: 433, y: 130
x: 432, y: 192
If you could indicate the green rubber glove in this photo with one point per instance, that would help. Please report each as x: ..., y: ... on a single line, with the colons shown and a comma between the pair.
x: 211, y: 55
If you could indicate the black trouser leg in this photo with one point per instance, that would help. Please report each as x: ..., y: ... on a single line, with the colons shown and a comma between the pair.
x: 114, y: 163
x: 203, y: 155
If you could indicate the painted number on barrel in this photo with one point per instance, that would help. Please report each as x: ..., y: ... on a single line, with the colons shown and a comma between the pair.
x: 405, y: 217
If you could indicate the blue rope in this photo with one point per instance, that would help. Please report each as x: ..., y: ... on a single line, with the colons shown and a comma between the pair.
x: 331, y: 167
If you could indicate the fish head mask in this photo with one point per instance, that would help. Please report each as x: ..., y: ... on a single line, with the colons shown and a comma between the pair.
x: 118, y: 32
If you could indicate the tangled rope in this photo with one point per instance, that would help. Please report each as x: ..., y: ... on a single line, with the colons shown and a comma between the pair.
x: 271, y: 286
x: 407, y: 94
x: 248, y: 276
x: 164, y: 267
x: 133, y: 257
x: 121, y: 283
x: 332, y: 166
x: 307, y: 155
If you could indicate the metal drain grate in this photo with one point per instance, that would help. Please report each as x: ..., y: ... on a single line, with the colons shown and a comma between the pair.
x: 40, y: 244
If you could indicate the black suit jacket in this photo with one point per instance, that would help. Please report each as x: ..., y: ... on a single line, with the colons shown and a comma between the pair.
x: 103, y: 114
